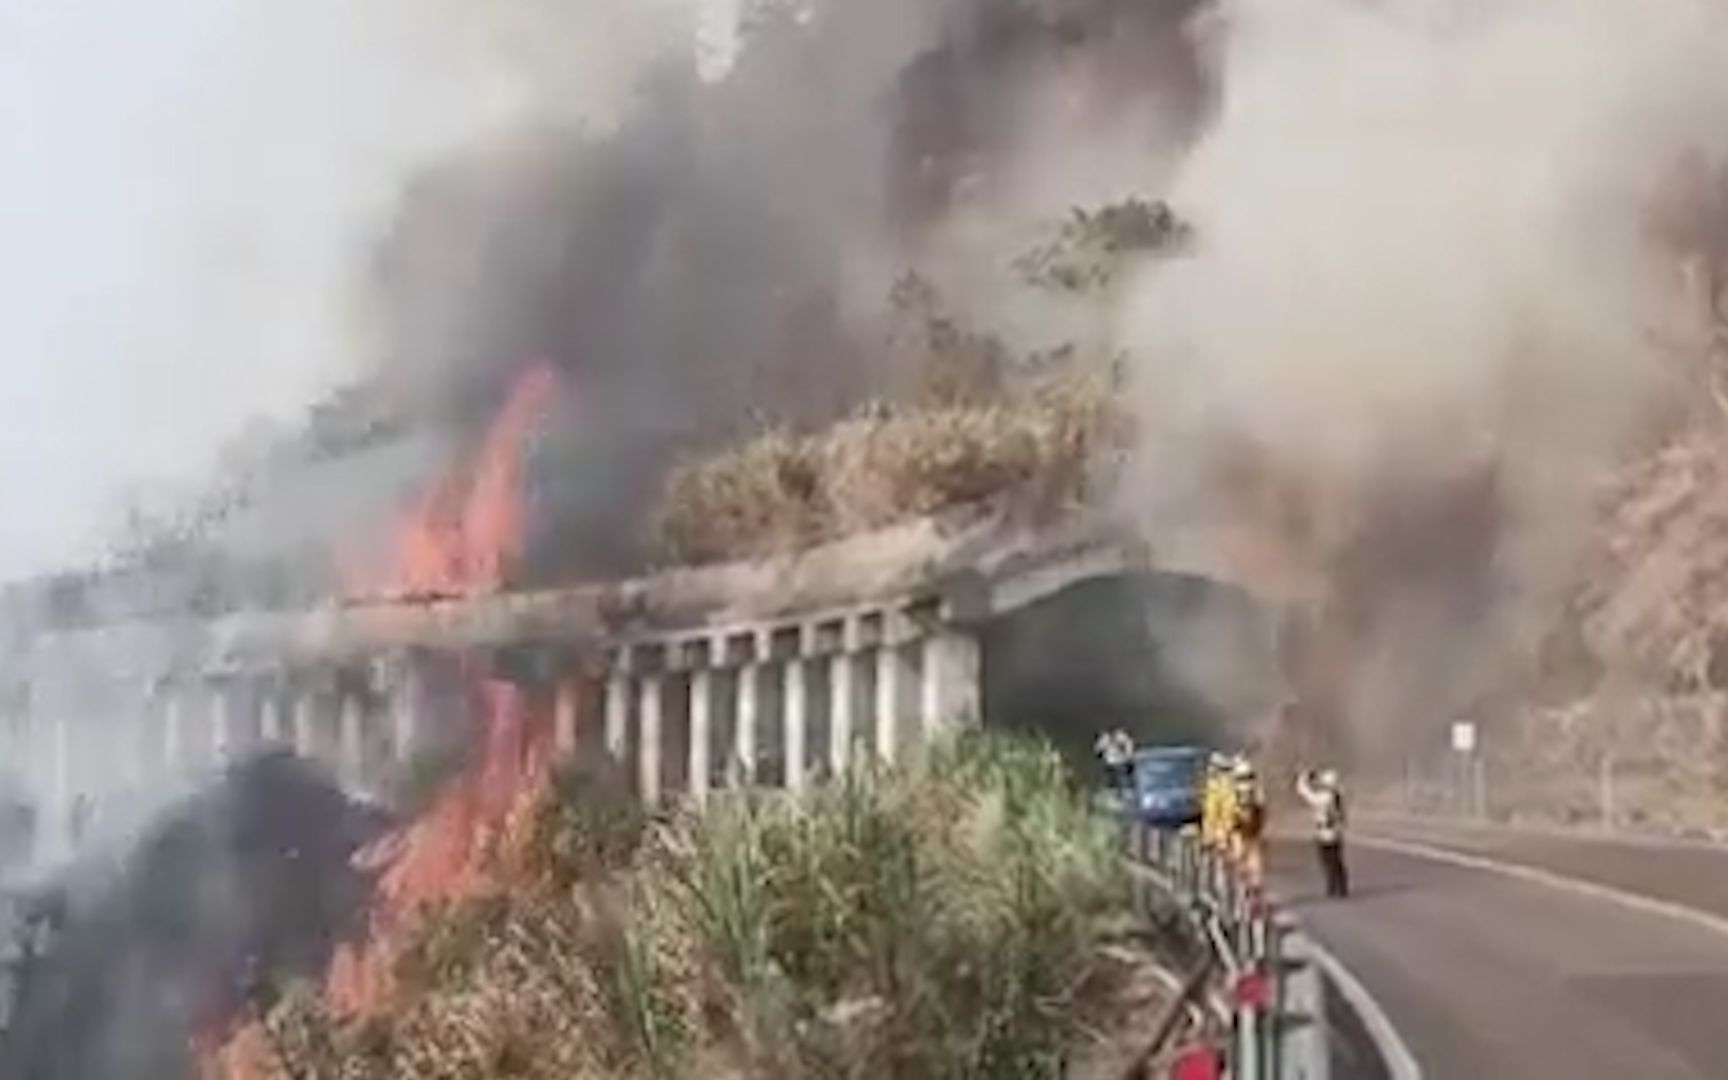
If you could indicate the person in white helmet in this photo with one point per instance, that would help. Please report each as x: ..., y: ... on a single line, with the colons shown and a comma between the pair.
x: 1116, y: 749
x: 1325, y: 798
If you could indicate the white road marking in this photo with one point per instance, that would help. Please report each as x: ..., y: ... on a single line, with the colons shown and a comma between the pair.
x: 1647, y: 905
x: 1394, y: 1051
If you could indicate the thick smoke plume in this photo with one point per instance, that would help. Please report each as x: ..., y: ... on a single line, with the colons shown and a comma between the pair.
x: 1426, y: 313
x: 228, y: 895
x: 1424, y: 307
x: 689, y: 244
x: 727, y: 249
x: 686, y: 245
x: 695, y: 239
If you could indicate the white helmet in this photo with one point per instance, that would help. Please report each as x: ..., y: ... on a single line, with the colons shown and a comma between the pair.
x: 1329, y: 778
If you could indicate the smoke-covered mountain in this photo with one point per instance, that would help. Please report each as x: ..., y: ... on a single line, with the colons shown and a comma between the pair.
x: 722, y: 252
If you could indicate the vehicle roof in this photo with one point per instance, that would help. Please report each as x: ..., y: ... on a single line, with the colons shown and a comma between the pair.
x: 1171, y: 752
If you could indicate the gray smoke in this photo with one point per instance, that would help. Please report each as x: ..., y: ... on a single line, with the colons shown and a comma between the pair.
x: 1425, y: 315
x: 691, y: 250
x: 690, y: 245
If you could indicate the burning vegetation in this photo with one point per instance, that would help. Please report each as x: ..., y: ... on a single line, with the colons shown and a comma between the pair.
x: 244, y: 887
x: 967, y: 917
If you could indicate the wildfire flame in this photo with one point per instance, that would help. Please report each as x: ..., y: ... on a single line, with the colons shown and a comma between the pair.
x: 463, y: 537
x: 465, y: 533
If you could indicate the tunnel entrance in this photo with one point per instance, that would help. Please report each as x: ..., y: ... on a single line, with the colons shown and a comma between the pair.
x: 1167, y: 657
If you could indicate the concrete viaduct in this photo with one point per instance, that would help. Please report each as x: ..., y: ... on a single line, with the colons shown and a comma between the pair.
x: 771, y: 673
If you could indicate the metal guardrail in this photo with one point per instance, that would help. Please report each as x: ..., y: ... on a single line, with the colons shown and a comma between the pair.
x: 1262, y: 987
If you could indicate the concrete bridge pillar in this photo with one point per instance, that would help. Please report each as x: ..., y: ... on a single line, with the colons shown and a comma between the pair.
x: 650, y: 731
x: 190, y: 722
x: 754, y: 649
x: 952, y: 684
x: 842, y: 693
x: 404, y: 688
x: 253, y: 695
x: 892, y: 683
x: 702, y: 658
x: 350, y: 737
x: 303, y: 714
x: 566, y: 706
x: 219, y: 693
x: 60, y: 765
x: 618, y: 692
x: 173, y: 714
x: 796, y: 727
x: 270, y: 726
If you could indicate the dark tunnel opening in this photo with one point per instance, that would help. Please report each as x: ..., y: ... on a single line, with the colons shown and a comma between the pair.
x: 1170, y: 658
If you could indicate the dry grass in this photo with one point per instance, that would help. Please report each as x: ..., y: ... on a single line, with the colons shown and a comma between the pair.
x: 974, y: 421
x: 943, y: 921
x: 1041, y: 452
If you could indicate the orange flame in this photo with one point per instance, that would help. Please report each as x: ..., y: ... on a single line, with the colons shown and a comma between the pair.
x: 463, y: 537
x: 443, y: 856
x: 465, y: 533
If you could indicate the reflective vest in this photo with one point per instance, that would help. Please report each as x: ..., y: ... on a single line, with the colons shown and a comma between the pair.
x: 1226, y: 808
x: 1212, y: 817
x: 1248, y: 811
x: 1329, y: 817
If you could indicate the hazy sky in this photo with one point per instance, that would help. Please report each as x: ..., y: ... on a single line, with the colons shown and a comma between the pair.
x: 185, y: 185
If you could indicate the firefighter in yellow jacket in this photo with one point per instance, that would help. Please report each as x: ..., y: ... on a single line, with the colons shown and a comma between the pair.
x: 1215, y: 804
x: 1247, y: 824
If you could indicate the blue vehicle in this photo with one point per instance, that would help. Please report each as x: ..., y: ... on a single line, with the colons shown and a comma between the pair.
x: 1169, y: 785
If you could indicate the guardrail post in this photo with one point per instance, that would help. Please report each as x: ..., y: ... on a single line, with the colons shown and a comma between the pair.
x: 1300, y: 1048
x: 1190, y: 872
x: 1275, y: 1016
x: 1273, y: 943
x: 1250, y: 1056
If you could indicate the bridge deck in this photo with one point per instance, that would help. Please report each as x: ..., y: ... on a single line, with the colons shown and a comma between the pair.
x: 971, y: 566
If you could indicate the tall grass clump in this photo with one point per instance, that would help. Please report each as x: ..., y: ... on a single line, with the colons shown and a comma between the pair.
x: 1042, y: 449
x: 945, y: 919
x: 963, y: 419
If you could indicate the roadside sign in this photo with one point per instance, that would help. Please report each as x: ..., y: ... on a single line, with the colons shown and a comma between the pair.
x: 1464, y: 737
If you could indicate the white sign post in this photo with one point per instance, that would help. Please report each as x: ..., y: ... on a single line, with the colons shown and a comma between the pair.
x: 1472, y: 784
x: 1464, y: 737
x: 1606, y: 782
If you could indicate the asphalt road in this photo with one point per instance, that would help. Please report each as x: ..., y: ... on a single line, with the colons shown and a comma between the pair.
x: 1691, y: 873
x: 1487, y: 976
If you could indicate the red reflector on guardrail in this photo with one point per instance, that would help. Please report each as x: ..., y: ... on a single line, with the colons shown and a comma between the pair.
x: 1253, y: 990
x: 1198, y: 1063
